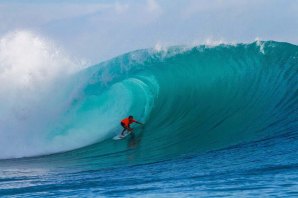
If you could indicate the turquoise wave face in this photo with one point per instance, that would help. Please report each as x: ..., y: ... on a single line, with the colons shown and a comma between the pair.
x: 191, y: 100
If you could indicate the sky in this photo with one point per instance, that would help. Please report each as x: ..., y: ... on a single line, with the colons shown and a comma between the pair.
x: 97, y: 30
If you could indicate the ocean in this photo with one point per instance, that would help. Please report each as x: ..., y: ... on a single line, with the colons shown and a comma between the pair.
x: 220, y: 121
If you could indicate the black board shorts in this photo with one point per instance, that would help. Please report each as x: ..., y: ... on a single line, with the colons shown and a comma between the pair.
x: 123, y: 125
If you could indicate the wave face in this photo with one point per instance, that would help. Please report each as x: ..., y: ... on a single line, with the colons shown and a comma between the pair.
x: 191, y: 99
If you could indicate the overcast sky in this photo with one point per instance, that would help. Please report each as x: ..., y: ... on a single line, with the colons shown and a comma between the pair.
x: 100, y: 29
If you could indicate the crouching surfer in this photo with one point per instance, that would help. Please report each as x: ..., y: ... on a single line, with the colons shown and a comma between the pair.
x: 125, y: 123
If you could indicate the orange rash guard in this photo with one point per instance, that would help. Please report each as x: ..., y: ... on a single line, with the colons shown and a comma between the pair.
x: 127, y: 122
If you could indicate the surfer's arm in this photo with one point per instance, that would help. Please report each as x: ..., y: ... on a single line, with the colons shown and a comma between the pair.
x: 139, y: 123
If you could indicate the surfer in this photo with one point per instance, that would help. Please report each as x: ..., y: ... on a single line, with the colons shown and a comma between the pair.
x: 125, y: 123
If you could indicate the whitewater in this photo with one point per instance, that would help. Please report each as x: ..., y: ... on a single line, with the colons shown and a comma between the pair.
x: 219, y: 121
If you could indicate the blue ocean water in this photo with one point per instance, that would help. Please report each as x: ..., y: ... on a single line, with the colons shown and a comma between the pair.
x: 219, y: 121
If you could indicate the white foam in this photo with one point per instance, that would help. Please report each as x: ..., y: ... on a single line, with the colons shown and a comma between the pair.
x: 159, y: 47
x: 31, y: 68
x: 260, y: 44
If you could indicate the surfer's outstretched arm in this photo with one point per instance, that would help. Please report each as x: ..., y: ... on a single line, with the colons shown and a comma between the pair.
x: 139, y: 123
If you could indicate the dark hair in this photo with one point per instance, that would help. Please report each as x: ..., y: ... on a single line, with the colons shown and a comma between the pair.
x: 130, y: 116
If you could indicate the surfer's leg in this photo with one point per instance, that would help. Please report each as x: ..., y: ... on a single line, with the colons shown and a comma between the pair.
x: 122, y: 133
x: 124, y: 128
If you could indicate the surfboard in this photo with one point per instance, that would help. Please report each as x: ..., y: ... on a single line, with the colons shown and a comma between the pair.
x: 119, y: 137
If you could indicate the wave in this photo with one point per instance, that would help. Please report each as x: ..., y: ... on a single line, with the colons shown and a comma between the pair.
x: 192, y: 99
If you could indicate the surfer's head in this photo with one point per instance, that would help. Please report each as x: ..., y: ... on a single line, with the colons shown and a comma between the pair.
x: 130, y: 117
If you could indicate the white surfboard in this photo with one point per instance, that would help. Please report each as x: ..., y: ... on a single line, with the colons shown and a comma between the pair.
x: 120, y: 137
